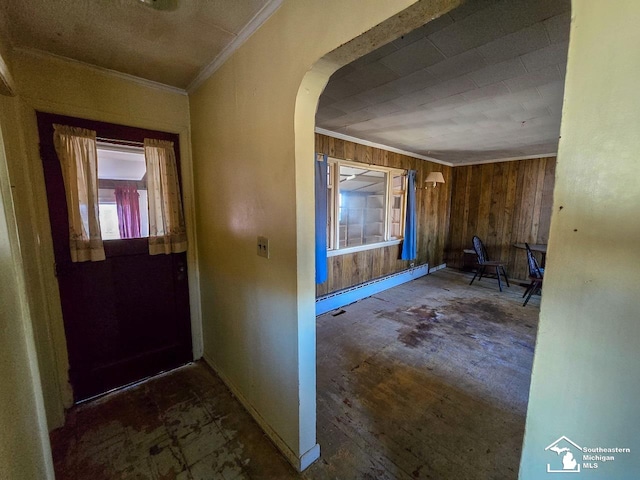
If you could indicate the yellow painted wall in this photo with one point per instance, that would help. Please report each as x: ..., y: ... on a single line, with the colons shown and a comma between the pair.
x: 253, y: 146
x: 586, y: 381
x: 24, y: 443
x: 54, y: 85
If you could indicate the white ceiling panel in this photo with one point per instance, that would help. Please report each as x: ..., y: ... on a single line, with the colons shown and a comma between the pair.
x: 514, y: 15
x: 511, y: 46
x: 555, y: 54
x: 498, y: 72
x: 558, y: 27
x: 412, y: 57
x: 483, y: 82
x: 453, y: 67
x: 472, y: 31
x: 411, y: 83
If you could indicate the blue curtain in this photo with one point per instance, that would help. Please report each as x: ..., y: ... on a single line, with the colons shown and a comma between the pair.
x: 410, y: 243
x: 321, y: 218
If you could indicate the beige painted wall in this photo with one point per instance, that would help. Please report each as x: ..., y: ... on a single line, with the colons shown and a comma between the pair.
x: 253, y: 144
x: 54, y: 85
x: 24, y: 443
x: 585, y: 382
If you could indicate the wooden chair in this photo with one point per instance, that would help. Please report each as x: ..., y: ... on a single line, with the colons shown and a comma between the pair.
x: 484, y: 262
x: 536, y: 275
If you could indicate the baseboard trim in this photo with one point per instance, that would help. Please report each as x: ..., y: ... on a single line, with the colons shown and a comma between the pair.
x: 309, y: 457
x: 299, y: 463
x: 339, y: 299
x: 438, y: 267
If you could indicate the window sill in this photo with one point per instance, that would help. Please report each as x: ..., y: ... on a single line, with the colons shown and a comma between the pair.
x: 360, y: 248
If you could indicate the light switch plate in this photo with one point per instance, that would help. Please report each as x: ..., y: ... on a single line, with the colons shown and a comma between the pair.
x: 263, y: 247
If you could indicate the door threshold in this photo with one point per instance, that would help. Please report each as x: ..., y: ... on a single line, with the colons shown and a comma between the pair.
x: 132, y: 384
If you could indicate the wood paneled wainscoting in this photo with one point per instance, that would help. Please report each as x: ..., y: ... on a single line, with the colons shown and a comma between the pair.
x: 433, y: 208
x: 503, y: 203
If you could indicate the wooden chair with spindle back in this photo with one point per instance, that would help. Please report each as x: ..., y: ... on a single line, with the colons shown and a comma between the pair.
x: 483, y: 263
x: 536, y: 275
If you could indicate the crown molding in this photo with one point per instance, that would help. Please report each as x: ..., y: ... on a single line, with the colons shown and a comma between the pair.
x: 244, y: 34
x: 367, y: 143
x: 361, y: 141
x: 106, y: 71
x: 507, y: 159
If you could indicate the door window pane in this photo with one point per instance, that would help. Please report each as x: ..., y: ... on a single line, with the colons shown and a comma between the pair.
x: 121, y: 166
x: 109, y: 221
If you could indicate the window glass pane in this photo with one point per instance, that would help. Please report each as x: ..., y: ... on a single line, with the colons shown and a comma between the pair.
x: 330, y: 200
x: 362, y: 206
x: 396, y: 227
x: 398, y: 182
x: 108, y: 216
x: 117, y: 162
x: 121, y: 166
x: 144, y: 213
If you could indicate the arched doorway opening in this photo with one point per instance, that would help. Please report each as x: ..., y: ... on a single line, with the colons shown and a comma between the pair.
x: 541, y: 162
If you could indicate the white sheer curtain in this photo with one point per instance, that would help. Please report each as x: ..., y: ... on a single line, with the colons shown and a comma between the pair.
x: 76, y: 149
x: 167, y: 233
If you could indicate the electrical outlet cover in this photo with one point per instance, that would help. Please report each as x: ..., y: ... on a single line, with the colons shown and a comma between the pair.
x: 263, y: 247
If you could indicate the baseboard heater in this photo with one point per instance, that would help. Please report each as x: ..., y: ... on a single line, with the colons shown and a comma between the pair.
x: 335, y: 300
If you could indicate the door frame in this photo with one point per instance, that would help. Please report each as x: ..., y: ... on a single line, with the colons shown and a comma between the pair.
x: 62, y: 397
x: 116, y: 134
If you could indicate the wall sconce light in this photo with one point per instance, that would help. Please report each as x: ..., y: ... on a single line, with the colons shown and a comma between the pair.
x: 435, y: 178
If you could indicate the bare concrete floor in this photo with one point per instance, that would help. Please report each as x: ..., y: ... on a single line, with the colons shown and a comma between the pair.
x: 426, y: 380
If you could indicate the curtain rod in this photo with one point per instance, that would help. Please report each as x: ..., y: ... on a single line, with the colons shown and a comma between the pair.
x: 120, y: 142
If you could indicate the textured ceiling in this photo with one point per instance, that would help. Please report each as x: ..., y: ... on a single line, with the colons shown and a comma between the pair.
x: 170, y: 47
x: 483, y: 82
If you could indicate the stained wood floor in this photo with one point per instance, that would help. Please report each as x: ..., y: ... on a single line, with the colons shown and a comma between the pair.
x: 426, y: 380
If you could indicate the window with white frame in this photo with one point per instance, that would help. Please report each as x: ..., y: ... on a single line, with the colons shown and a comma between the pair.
x: 365, y: 205
x: 121, y: 167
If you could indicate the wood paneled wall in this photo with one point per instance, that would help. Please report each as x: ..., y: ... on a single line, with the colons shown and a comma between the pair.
x: 433, y: 207
x: 503, y: 203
